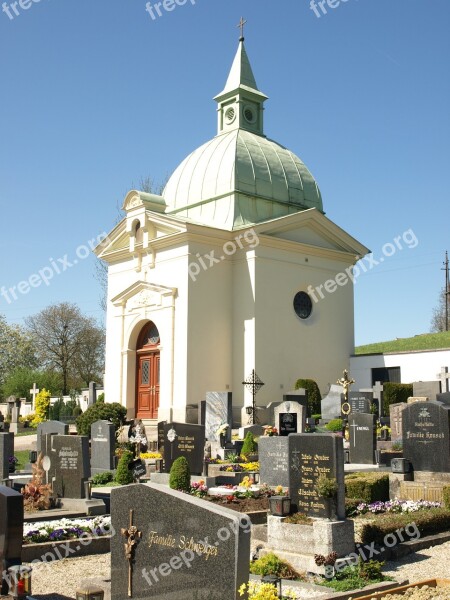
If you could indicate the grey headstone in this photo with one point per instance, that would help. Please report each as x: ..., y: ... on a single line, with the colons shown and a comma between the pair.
x: 396, y: 411
x: 189, y: 549
x: 15, y: 410
x: 69, y: 464
x: 300, y: 396
x: 273, y: 461
x: 290, y: 417
x: 183, y: 439
x: 11, y: 530
x: 219, y: 410
x: 331, y: 404
x: 103, y: 444
x: 426, y: 436
x: 6, y: 450
x: 360, y: 402
x: 444, y: 398
x: 309, y: 457
x: 47, y: 428
x: 429, y: 389
x: 363, y: 438
x: 92, y: 393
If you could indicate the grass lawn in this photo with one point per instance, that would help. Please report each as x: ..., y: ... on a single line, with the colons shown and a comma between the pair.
x: 427, y: 341
x: 23, y: 457
x: 29, y: 431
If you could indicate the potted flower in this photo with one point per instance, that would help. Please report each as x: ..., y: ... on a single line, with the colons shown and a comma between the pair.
x: 222, y: 433
x: 270, y: 431
x: 12, y: 461
x: 327, y: 489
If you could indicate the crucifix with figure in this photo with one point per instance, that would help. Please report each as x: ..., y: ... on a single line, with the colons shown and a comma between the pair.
x: 132, y: 535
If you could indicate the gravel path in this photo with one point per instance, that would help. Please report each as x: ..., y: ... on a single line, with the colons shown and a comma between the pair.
x: 425, y: 564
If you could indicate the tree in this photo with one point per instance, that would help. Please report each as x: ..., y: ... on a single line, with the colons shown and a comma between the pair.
x: 20, y: 381
x: 63, y: 336
x: 16, y: 349
x: 438, y: 319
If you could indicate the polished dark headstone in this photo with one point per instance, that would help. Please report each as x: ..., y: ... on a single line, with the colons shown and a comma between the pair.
x: 363, y: 438
x: 360, y: 402
x: 6, y: 451
x: 11, y: 530
x: 426, y: 436
x: 67, y: 458
x: 444, y: 398
x: 187, y: 548
x: 219, y: 410
x: 161, y: 438
x: 103, y: 444
x: 290, y: 417
x: 300, y: 396
x: 50, y: 427
x: 184, y: 439
x: 273, y: 460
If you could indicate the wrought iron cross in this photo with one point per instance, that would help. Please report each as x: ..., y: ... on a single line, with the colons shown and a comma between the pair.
x: 253, y: 383
x: 132, y: 536
x: 242, y: 24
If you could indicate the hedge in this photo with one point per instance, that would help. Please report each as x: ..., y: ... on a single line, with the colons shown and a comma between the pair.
x: 369, y: 487
x: 393, y: 393
x: 313, y: 396
x: 446, y: 496
x: 428, y: 522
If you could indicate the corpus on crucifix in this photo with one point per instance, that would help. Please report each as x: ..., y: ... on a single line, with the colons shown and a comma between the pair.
x: 346, y: 382
x: 132, y: 536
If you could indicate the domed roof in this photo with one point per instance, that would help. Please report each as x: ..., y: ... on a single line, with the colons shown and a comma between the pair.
x: 240, y: 177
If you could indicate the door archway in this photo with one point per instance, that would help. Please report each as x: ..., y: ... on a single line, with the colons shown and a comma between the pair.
x: 147, y: 372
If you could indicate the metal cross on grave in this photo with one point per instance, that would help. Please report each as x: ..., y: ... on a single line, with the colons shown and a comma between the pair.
x: 34, y: 392
x: 354, y: 425
x: 132, y: 535
x: 443, y: 377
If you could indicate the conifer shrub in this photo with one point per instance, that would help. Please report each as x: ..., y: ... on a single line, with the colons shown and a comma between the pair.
x: 180, y: 475
x: 334, y: 425
x: 393, y: 393
x: 124, y: 476
x: 249, y: 446
x: 314, y: 396
x: 370, y: 487
x: 42, y: 407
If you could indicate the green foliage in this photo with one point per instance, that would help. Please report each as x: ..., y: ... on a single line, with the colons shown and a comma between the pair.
x: 446, y: 496
x: 427, y: 522
x: 326, y: 487
x: 16, y: 351
x: 270, y: 564
x: 351, y: 505
x: 180, y: 475
x: 370, y: 487
x: 249, y: 446
x: 42, y: 407
x: 316, y: 417
x: 355, y: 578
x: 334, y: 425
x: 313, y: 394
x: 115, y: 412
x: 77, y: 411
x: 397, y: 446
x: 19, y: 382
x: 102, y: 478
x: 298, y: 519
x: 124, y: 476
x: 419, y: 342
x: 101, y: 398
x: 394, y: 393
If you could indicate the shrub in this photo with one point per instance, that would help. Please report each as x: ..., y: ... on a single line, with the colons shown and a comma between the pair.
x: 249, y: 446
x: 115, y: 412
x: 270, y: 564
x: 101, y: 398
x: 55, y: 410
x: 102, y: 478
x: 42, y: 407
x: 334, y: 425
x: 77, y: 411
x: 124, y: 475
x: 314, y: 397
x: 446, y: 496
x: 426, y: 522
x: 180, y: 475
x: 369, y: 487
x: 326, y: 487
x: 298, y: 519
x: 394, y: 393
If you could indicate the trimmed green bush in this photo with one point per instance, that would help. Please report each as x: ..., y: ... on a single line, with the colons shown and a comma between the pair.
x: 101, y: 398
x: 115, y: 412
x: 334, y: 425
x: 394, y: 393
x: 180, y: 475
x: 446, y: 496
x: 427, y: 522
x: 368, y: 487
x: 124, y: 476
x: 249, y: 446
x: 313, y: 395
x: 103, y: 478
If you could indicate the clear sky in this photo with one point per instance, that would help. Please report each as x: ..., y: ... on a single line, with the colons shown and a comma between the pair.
x: 97, y: 94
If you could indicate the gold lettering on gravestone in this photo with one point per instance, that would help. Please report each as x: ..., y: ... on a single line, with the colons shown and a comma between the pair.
x: 312, y: 466
x: 184, y: 542
x: 132, y: 536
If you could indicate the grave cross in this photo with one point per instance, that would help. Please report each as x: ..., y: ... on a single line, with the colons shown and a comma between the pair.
x: 132, y: 536
x: 34, y: 392
x: 354, y: 425
x: 443, y: 377
x: 346, y: 382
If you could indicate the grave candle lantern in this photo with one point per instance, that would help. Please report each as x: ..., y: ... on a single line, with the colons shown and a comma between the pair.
x: 19, y: 581
x: 280, y: 506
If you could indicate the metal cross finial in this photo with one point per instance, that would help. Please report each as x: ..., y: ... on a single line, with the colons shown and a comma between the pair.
x: 242, y: 24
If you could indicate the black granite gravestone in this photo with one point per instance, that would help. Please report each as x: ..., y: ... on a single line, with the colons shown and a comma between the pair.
x: 287, y: 423
x: 426, y: 436
x: 183, y: 439
x: 11, y: 531
x: 161, y: 437
x: 363, y: 438
x: 360, y: 402
x: 47, y: 428
x: 187, y: 549
x: 67, y: 458
x: 103, y: 443
x: 273, y: 460
x: 311, y: 456
x: 6, y: 451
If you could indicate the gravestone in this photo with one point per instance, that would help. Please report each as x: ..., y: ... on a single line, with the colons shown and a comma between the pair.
x: 360, y: 402
x: 426, y: 436
x: 183, y: 439
x: 161, y: 437
x: 309, y: 457
x: 273, y: 461
x: 428, y: 389
x: 92, y: 393
x: 202, y: 412
x: 11, y: 531
x: 444, y: 398
x: 103, y: 444
x: 50, y: 428
x: 218, y: 411
x: 290, y: 417
x: 185, y: 548
x: 67, y: 459
x: 331, y: 404
x: 396, y: 411
x: 363, y: 438
x: 15, y: 414
x: 6, y: 450
x: 300, y: 396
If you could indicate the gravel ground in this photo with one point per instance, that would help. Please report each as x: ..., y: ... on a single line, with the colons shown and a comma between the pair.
x: 425, y: 564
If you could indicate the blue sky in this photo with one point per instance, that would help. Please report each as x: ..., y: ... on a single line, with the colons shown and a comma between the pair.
x: 97, y: 95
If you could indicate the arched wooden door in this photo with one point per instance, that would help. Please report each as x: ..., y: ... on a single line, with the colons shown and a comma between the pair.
x: 147, y: 372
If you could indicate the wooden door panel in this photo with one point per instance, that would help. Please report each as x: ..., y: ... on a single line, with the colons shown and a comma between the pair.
x: 147, y: 376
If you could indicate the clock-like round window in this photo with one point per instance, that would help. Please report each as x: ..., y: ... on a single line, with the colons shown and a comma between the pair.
x: 249, y: 114
x: 302, y: 305
x: 230, y: 115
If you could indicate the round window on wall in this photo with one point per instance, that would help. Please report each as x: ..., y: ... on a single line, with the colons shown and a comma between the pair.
x: 230, y: 115
x: 302, y: 305
x: 249, y: 114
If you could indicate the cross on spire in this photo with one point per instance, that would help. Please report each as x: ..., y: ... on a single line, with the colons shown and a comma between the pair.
x: 241, y: 25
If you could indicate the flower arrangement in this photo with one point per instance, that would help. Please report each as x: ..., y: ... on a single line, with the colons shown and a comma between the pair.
x: 222, y: 429
x: 13, y: 460
x: 240, y: 467
x: 395, y: 506
x: 65, y: 529
x: 150, y: 455
x: 257, y: 590
x: 199, y: 489
x: 270, y: 430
